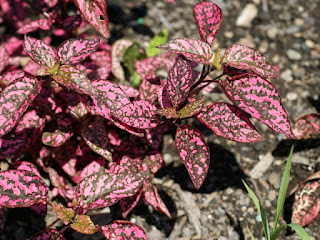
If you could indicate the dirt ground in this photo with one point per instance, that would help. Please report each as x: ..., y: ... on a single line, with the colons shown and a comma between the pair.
x: 287, y: 32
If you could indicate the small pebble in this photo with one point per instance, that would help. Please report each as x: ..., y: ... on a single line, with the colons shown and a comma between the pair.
x: 247, y: 15
x: 293, y: 54
x: 287, y: 75
x: 258, y: 218
x: 291, y: 96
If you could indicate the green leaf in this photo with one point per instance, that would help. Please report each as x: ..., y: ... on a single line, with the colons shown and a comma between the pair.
x: 283, y: 189
x: 157, y: 40
x: 131, y: 55
x: 136, y: 80
x: 250, y: 234
x: 299, y: 230
x: 260, y: 210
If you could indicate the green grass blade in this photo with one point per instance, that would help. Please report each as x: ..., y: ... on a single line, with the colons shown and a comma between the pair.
x: 260, y: 210
x: 250, y: 233
x: 276, y: 233
x: 300, y: 231
x: 283, y: 190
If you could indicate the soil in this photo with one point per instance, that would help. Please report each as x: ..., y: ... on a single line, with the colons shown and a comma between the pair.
x: 287, y: 32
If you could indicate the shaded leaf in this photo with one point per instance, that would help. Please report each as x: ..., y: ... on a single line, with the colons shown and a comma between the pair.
x: 9, y: 77
x: 4, y: 57
x: 208, y: 18
x: 245, y: 58
x: 179, y: 81
x: 127, y: 204
x: 14, y: 101
x: 148, y: 89
x: 49, y: 234
x: 193, y: 152
x: 121, y: 229
x: 138, y: 114
x: 131, y: 55
x: 41, y: 23
x: 307, y: 126
x: 105, y: 189
x: 83, y: 224
x: 95, y: 12
x: 76, y: 50
x: 229, y: 122
x: 40, y: 52
x: 193, y: 49
x: 96, y: 136
x: 21, y: 188
x: 260, y: 99
x: 169, y: 112
x: 27, y: 166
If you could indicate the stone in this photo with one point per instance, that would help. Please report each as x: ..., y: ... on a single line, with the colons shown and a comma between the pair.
x: 291, y: 96
x: 247, y: 15
x: 287, y: 75
x: 272, y: 195
x: 294, y: 55
x: 272, y: 32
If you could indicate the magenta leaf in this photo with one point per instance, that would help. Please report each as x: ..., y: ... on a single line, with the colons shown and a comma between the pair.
x: 66, y: 214
x: 260, y: 99
x: 208, y: 17
x: 168, y: 112
x: 76, y: 50
x: 4, y: 57
x: 121, y: 229
x: 96, y: 136
x: 179, y: 81
x: 191, y: 108
x: 21, y: 188
x: 306, y: 205
x: 105, y: 189
x: 307, y: 126
x: 42, y: 23
x: 245, y: 58
x: 138, y: 114
x: 117, y: 51
x: 28, y: 166
x: 56, y: 138
x: 40, y: 52
x: 14, y: 101
x: 49, y: 234
x: 95, y: 12
x: 127, y: 128
x: 91, y: 168
x: 109, y: 97
x: 229, y: 122
x: 83, y: 224
x: 163, y: 97
x: 193, y: 49
x: 193, y: 152
x: 74, y: 79
x: 148, y: 89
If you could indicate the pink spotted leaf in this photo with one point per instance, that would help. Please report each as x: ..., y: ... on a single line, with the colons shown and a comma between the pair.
x: 49, y: 234
x: 108, y: 98
x: 191, y: 108
x: 66, y: 214
x: 193, y: 152
x: 151, y: 195
x: 193, y: 49
x: 229, y: 122
x: 96, y: 136
x: 74, y: 79
x: 91, y: 168
x: 76, y: 50
x: 9, y: 77
x: 306, y: 205
x: 42, y: 23
x: 307, y: 126
x: 148, y: 90
x: 260, y: 99
x: 14, y: 101
x: 27, y: 166
x: 21, y: 188
x: 245, y: 58
x: 95, y: 12
x: 208, y: 17
x: 83, y: 224
x: 179, y: 81
x: 122, y: 229
x: 105, y: 189
x: 4, y: 57
x: 40, y: 52
x: 138, y: 114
